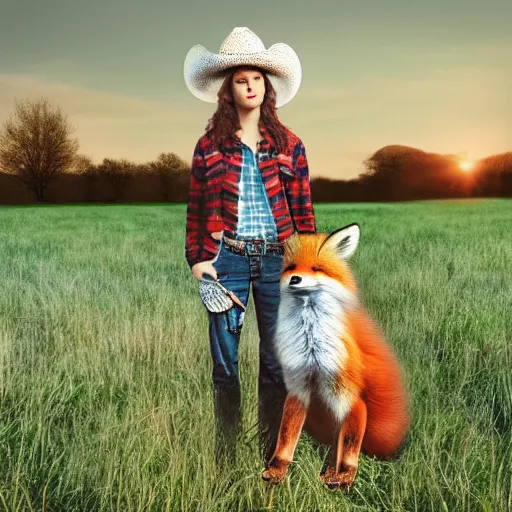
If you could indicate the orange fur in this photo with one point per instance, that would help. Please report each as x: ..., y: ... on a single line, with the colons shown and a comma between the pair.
x: 378, y: 419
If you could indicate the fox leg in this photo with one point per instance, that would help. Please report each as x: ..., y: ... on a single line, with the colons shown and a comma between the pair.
x: 343, y: 459
x: 294, y: 415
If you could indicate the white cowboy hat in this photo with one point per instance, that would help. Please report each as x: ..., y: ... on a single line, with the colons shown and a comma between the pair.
x: 204, y: 71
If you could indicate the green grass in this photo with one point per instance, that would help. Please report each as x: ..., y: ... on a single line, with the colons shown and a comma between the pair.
x: 105, y: 388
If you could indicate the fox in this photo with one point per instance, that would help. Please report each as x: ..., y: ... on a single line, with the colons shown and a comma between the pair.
x: 344, y: 385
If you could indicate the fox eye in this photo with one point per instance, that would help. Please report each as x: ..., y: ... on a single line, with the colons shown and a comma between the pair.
x: 316, y: 269
x: 290, y: 267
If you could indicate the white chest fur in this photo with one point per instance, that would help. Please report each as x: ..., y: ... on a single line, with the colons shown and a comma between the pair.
x: 310, y: 348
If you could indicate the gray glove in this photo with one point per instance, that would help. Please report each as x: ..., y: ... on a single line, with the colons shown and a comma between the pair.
x: 216, y: 297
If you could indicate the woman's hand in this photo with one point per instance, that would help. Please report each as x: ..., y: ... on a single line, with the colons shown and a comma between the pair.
x: 203, y: 267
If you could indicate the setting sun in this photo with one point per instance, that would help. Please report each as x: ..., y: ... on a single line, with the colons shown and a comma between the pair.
x: 466, y: 165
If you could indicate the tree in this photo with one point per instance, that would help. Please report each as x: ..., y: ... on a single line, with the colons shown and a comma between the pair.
x: 170, y: 163
x: 174, y: 174
x: 117, y: 173
x: 82, y: 164
x: 36, y: 144
x: 403, y: 173
x: 493, y: 175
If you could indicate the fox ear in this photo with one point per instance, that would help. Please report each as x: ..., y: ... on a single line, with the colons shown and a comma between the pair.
x: 343, y: 241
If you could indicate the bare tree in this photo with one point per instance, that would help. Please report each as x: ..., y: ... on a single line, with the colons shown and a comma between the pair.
x: 36, y: 144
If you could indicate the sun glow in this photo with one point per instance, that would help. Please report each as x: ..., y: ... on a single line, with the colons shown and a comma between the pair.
x: 466, y: 165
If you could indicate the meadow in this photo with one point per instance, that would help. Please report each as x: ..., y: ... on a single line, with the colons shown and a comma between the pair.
x: 105, y: 387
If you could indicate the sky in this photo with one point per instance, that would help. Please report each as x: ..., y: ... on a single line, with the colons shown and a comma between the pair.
x: 434, y: 75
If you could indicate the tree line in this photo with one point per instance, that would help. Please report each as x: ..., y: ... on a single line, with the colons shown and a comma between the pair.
x: 401, y: 173
x: 40, y: 162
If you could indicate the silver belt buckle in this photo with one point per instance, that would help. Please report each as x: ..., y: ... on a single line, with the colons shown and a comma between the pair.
x: 255, y: 249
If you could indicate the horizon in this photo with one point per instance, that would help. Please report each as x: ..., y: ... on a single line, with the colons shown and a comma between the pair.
x: 431, y: 78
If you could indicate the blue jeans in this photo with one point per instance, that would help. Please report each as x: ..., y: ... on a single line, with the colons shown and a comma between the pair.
x: 236, y: 273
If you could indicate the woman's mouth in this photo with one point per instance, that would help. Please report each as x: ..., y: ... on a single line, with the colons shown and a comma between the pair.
x: 251, y: 97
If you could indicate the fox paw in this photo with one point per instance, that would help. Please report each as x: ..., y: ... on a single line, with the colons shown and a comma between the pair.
x: 336, y: 480
x: 275, y: 472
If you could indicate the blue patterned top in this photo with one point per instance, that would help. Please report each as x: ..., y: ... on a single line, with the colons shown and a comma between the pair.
x: 255, y: 219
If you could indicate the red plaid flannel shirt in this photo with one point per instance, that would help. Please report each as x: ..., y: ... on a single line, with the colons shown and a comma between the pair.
x: 213, y: 193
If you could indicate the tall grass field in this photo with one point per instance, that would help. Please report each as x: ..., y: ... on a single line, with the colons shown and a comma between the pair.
x: 105, y: 372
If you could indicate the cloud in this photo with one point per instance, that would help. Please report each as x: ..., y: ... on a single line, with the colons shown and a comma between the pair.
x: 108, y: 124
x: 89, y: 105
x: 473, y: 89
x: 438, y: 109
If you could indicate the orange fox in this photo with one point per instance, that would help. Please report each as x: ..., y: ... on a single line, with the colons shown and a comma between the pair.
x: 343, y: 382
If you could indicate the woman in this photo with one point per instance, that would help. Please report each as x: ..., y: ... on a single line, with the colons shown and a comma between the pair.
x: 249, y: 191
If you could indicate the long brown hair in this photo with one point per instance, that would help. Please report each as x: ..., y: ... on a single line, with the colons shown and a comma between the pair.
x: 224, y: 123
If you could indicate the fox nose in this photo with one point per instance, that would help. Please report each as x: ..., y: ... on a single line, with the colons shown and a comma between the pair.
x: 295, y: 280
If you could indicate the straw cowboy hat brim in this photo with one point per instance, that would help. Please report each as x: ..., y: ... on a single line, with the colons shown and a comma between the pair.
x: 205, y: 71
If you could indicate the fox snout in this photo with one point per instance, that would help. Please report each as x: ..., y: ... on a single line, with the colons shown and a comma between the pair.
x: 296, y: 282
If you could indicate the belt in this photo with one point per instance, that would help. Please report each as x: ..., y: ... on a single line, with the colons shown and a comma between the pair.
x: 253, y: 247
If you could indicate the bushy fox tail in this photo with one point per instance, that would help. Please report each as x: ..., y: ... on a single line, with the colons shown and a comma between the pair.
x: 384, y: 393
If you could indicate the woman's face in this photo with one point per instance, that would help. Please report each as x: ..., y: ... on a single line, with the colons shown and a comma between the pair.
x: 248, y: 88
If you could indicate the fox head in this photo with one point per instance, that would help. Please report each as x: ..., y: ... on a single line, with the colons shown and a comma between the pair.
x: 316, y: 264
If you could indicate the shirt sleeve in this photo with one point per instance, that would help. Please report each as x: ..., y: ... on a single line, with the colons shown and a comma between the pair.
x: 199, y: 244
x: 298, y: 192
